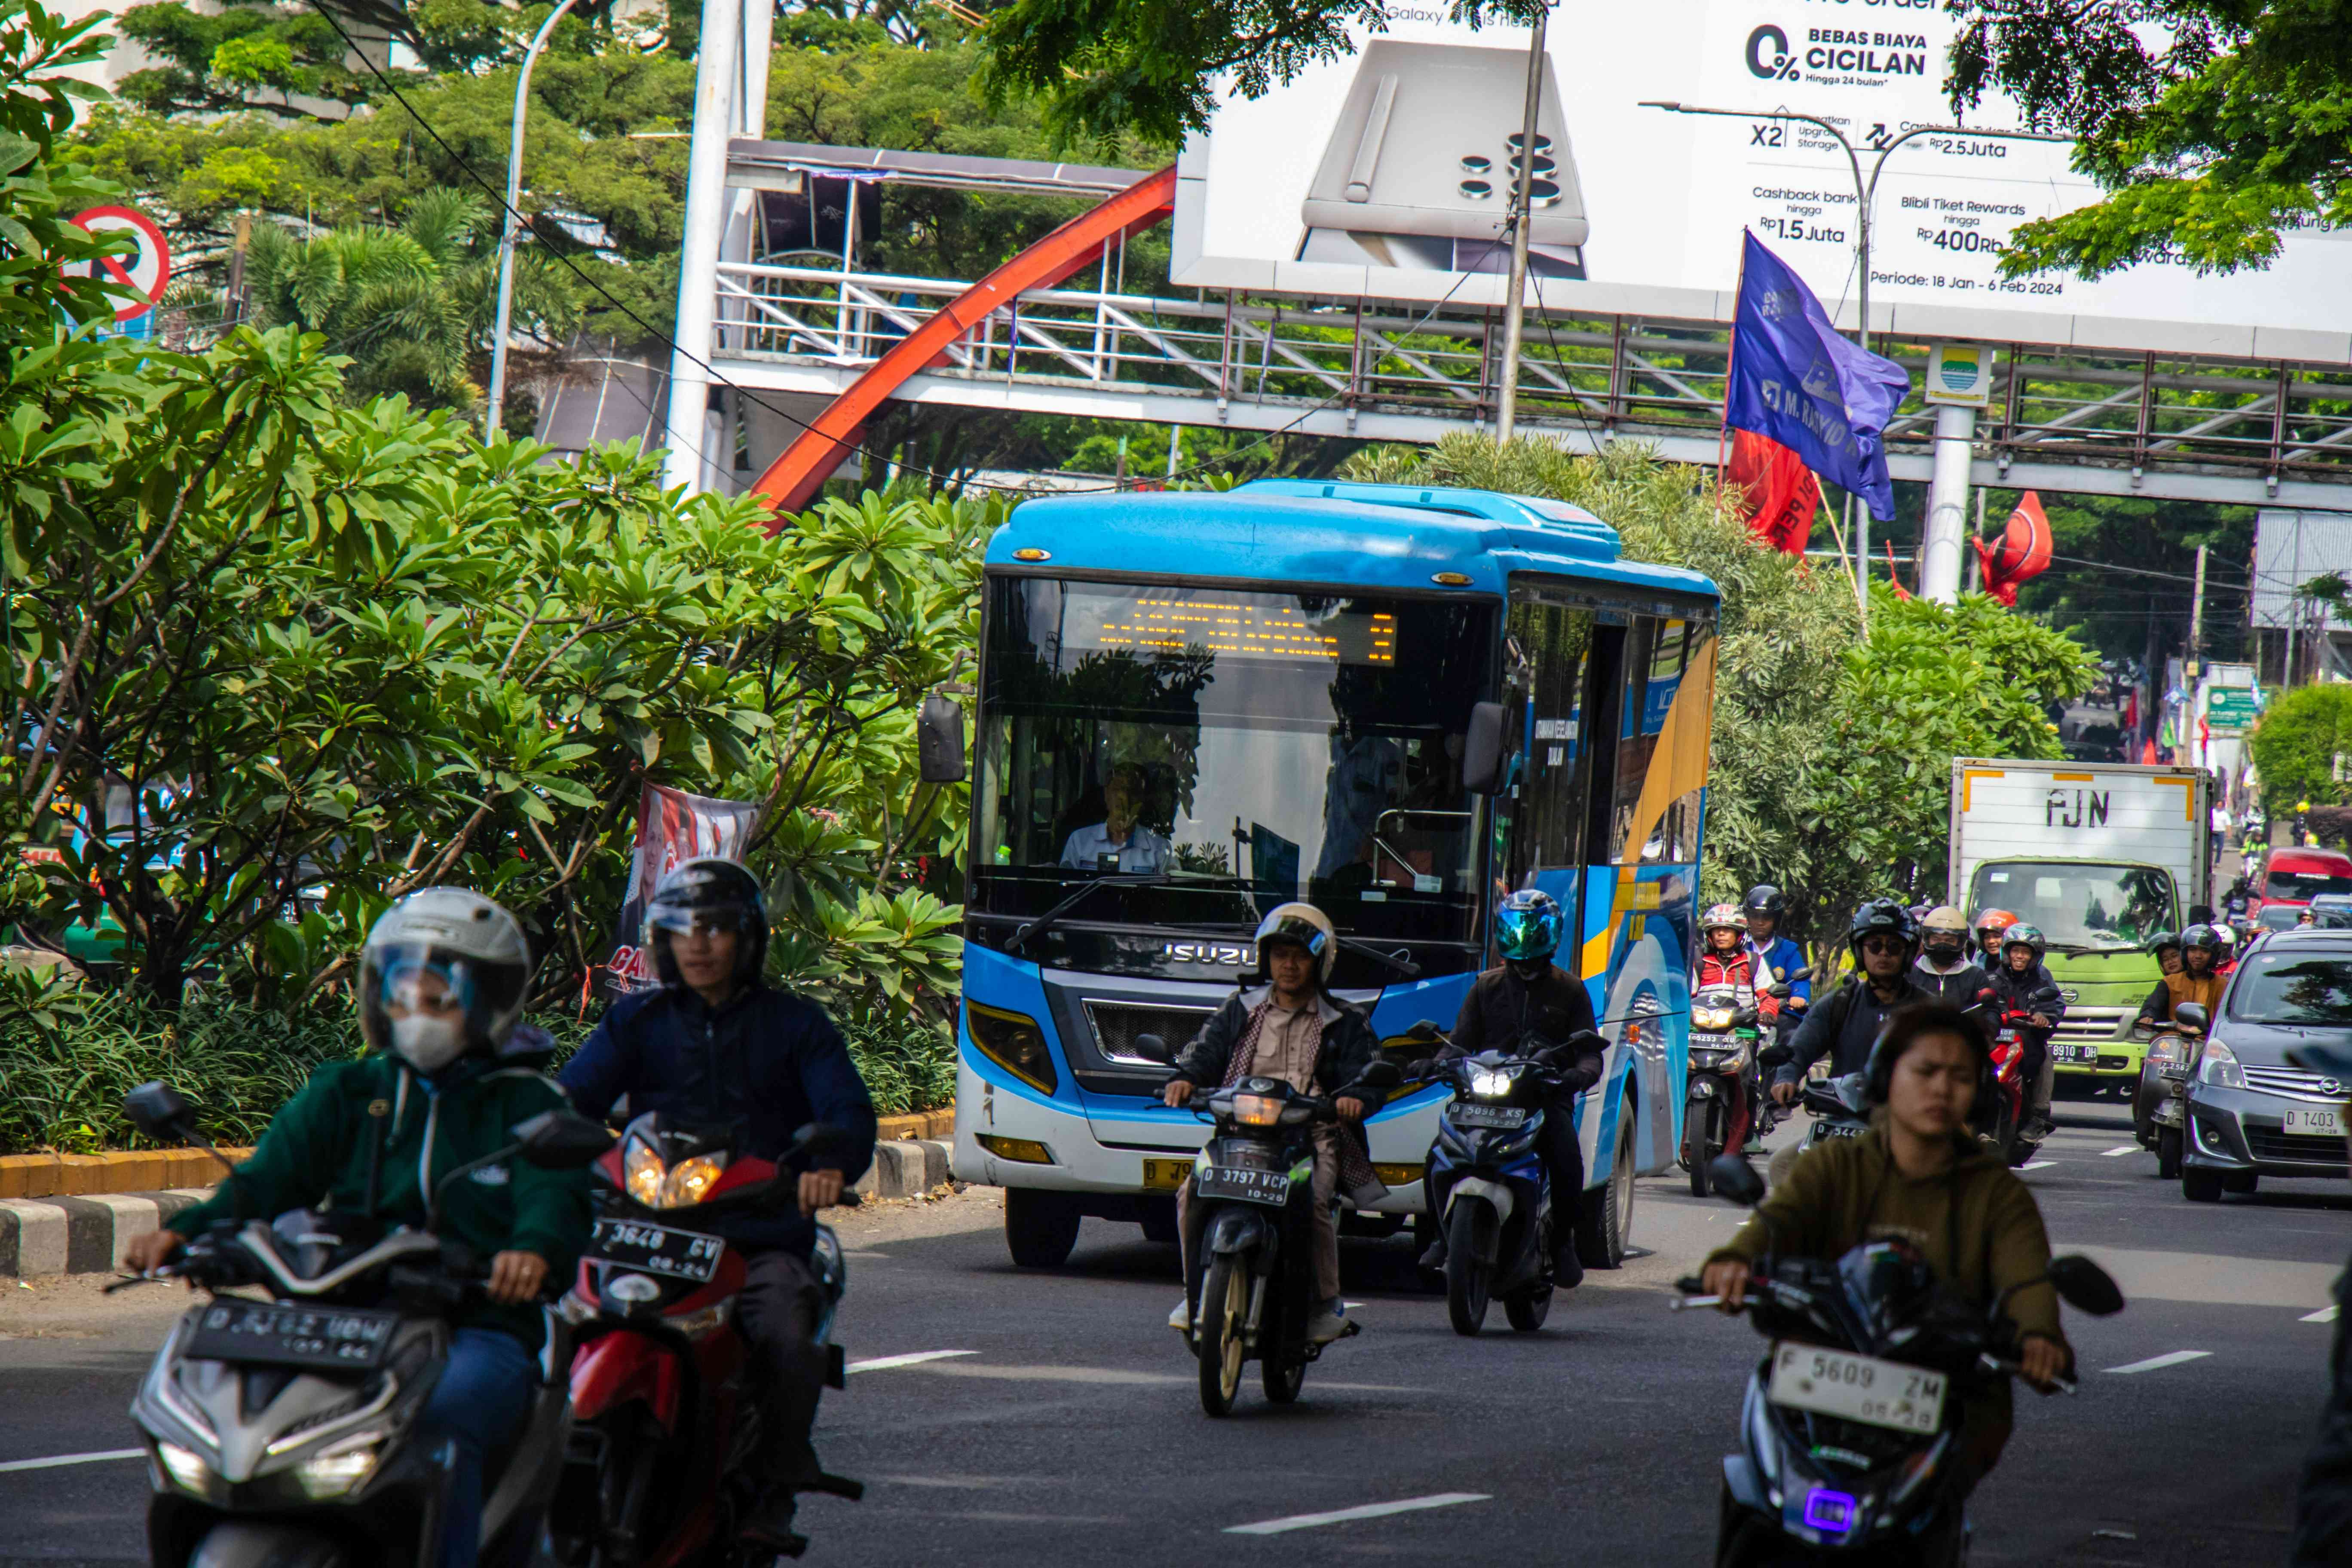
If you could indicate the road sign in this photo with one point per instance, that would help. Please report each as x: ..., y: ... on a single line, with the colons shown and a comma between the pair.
x: 144, y: 271
x: 2228, y: 710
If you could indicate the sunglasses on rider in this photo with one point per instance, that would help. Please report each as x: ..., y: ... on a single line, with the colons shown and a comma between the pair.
x: 699, y: 922
x: 1884, y: 944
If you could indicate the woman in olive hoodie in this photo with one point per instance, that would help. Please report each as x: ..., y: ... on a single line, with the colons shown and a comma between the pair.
x: 441, y: 989
x: 1917, y: 1176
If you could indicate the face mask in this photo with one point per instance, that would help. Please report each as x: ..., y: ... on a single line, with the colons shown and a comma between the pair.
x: 427, y: 1043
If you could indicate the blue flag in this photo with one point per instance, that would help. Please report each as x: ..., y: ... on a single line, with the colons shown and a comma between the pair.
x: 1795, y: 380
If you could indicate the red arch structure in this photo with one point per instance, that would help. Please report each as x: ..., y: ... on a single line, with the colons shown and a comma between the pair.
x: 790, y: 482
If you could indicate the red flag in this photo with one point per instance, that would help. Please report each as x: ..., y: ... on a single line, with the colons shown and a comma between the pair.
x: 1782, y: 494
x: 1894, y: 578
x: 2024, y: 551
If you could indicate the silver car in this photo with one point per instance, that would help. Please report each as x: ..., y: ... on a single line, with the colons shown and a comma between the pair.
x: 2253, y: 1110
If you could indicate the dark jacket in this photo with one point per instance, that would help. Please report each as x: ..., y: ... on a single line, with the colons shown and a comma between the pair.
x: 1844, y: 1028
x: 318, y: 1147
x: 768, y: 1059
x: 2323, y: 1513
x: 1348, y: 1046
x: 1500, y: 1008
x: 2033, y: 992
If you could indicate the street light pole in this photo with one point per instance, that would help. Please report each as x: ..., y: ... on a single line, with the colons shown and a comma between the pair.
x: 498, y: 398
x: 1506, y: 405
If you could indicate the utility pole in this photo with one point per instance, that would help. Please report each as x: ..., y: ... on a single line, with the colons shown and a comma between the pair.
x: 495, y: 409
x: 715, y: 68
x: 2191, y: 667
x: 1506, y: 405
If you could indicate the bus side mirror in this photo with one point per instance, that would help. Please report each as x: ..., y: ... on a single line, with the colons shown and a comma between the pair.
x: 1481, y: 749
x: 939, y: 741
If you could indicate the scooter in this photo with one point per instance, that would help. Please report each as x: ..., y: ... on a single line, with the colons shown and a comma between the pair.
x: 1487, y: 1180
x: 1251, y: 1240
x: 2002, y: 1127
x: 2160, y: 1109
x: 656, y: 1475
x: 1839, y: 1106
x: 1850, y: 1420
x: 1724, y: 1028
x: 282, y: 1433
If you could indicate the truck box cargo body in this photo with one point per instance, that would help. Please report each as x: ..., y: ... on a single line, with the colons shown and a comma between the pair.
x: 2100, y: 856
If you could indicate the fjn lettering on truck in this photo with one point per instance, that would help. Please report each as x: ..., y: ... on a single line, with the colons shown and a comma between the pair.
x: 2092, y: 803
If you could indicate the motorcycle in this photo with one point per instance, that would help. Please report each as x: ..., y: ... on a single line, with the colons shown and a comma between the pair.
x: 283, y: 1432
x: 657, y: 1473
x: 2002, y: 1121
x: 1724, y: 1028
x: 2160, y: 1109
x: 1839, y: 1108
x: 1252, y: 1286
x: 1487, y: 1170
x: 1850, y: 1417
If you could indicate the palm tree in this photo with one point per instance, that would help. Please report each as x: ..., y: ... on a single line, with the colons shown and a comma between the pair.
x: 411, y: 307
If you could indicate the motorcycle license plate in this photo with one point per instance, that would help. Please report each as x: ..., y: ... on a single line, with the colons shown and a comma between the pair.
x: 1836, y: 1129
x: 1857, y: 1388
x: 339, y: 1339
x: 657, y: 1249
x: 2326, y: 1120
x: 1505, y: 1116
x: 1271, y: 1187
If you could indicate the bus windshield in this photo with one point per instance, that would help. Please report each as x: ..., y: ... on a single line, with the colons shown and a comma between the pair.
x: 1218, y: 751
x: 2080, y: 908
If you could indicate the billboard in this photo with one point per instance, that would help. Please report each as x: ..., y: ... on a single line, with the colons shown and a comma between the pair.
x: 1388, y: 173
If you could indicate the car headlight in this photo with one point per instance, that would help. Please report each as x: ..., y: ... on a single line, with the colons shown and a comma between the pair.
x: 1713, y: 1017
x: 2218, y: 1067
x: 188, y: 1469
x: 1492, y: 1083
x: 338, y: 1468
x: 1014, y: 1042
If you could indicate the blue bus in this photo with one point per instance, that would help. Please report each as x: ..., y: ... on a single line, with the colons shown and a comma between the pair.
x: 1193, y: 707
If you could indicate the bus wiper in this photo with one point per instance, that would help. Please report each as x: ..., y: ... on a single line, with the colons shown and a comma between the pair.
x: 1080, y: 895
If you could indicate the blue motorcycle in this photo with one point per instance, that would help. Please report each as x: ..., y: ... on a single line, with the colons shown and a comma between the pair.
x: 1487, y: 1184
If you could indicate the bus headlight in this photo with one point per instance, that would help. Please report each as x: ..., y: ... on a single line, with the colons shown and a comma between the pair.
x: 1014, y: 1042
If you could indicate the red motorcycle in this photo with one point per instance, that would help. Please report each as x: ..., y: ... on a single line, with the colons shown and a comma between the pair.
x: 2004, y: 1128
x: 663, y: 1421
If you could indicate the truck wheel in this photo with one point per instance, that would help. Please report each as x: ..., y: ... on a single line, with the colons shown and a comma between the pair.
x: 1603, y: 1230
x: 1040, y: 1228
x: 2168, y: 1153
x: 2200, y: 1185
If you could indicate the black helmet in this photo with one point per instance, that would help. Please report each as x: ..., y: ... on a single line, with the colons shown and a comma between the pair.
x: 708, y: 894
x: 2161, y: 941
x: 2202, y: 936
x: 1765, y: 899
x: 1884, y: 916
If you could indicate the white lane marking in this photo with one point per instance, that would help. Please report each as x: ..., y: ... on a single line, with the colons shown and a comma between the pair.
x: 2037, y: 1165
x: 2127, y: 1149
x: 2158, y: 1362
x: 56, y: 1459
x: 2325, y: 1315
x: 917, y: 1358
x: 1368, y: 1510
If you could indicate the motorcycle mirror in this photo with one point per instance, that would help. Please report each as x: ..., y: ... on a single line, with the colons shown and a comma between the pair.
x: 2192, y: 1015
x: 1735, y: 1179
x: 1804, y: 972
x: 939, y: 741
x: 563, y: 1141
x: 1424, y: 1030
x: 1151, y: 1048
x: 2085, y: 1287
x: 1481, y: 749
x: 1382, y: 1075
x: 158, y: 1111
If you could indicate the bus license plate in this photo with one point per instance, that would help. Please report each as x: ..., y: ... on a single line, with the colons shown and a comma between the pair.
x: 1857, y: 1388
x: 1271, y: 1187
x: 657, y: 1249
x: 2325, y: 1120
x: 1505, y: 1117
x: 1165, y: 1175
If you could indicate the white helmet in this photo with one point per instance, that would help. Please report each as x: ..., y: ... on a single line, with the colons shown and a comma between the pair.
x: 1307, y: 926
x: 445, y: 946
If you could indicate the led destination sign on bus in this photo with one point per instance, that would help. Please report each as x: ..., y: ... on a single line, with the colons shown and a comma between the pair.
x: 1252, y: 631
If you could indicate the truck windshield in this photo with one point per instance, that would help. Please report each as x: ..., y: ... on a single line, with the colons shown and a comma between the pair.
x: 2080, y: 908
x: 1221, y: 751
x: 2294, y: 988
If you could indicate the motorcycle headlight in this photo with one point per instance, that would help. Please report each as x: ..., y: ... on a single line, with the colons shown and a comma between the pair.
x: 643, y: 1172
x: 1712, y: 1017
x: 1257, y: 1110
x: 1735, y: 1059
x: 2218, y: 1067
x: 2168, y: 1048
x: 692, y: 1180
x: 188, y: 1469
x: 340, y: 1468
x: 1492, y: 1083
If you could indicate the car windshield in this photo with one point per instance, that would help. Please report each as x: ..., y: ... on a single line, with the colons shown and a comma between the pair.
x: 1220, y: 751
x: 2080, y: 908
x: 2282, y: 883
x: 2293, y: 987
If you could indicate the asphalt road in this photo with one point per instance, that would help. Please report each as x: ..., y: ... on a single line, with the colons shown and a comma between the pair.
x: 1068, y: 1430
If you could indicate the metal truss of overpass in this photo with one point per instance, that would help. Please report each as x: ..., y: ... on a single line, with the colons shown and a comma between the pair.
x: 2251, y: 432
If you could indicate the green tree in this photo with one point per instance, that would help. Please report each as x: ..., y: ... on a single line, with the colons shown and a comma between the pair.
x: 2214, y: 128
x: 2121, y: 613
x: 2295, y: 744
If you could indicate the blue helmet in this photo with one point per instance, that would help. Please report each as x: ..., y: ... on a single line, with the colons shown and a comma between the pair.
x: 1529, y: 925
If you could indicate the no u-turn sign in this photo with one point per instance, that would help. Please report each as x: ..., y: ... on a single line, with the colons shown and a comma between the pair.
x: 144, y: 271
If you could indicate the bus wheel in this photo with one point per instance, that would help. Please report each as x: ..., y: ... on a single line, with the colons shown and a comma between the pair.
x: 1608, y: 1218
x: 1040, y: 1228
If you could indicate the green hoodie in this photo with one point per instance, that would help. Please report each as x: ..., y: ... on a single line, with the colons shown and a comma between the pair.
x: 317, y: 1148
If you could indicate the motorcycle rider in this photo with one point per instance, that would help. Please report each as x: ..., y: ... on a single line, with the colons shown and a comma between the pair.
x: 1917, y: 1176
x: 2198, y: 980
x: 1529, y: 994
x: 2022, y: 985
x: 1728, y: 958
x: 1884, y: 940
x: 448, y: 1071
x: 2322, y: 1512
x: 1291, y: 1027
x: 1944, y: 968
x: 1765, y: 907
x: 2167, y: 948
x: 1989, y: 927
x: 715, y: 1043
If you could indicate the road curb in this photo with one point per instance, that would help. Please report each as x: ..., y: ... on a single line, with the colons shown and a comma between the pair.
x: 53, y: 1176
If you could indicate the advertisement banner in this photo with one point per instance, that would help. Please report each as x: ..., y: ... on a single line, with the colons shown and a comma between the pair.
x: 673, y: 827
x: 1388, y: 172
